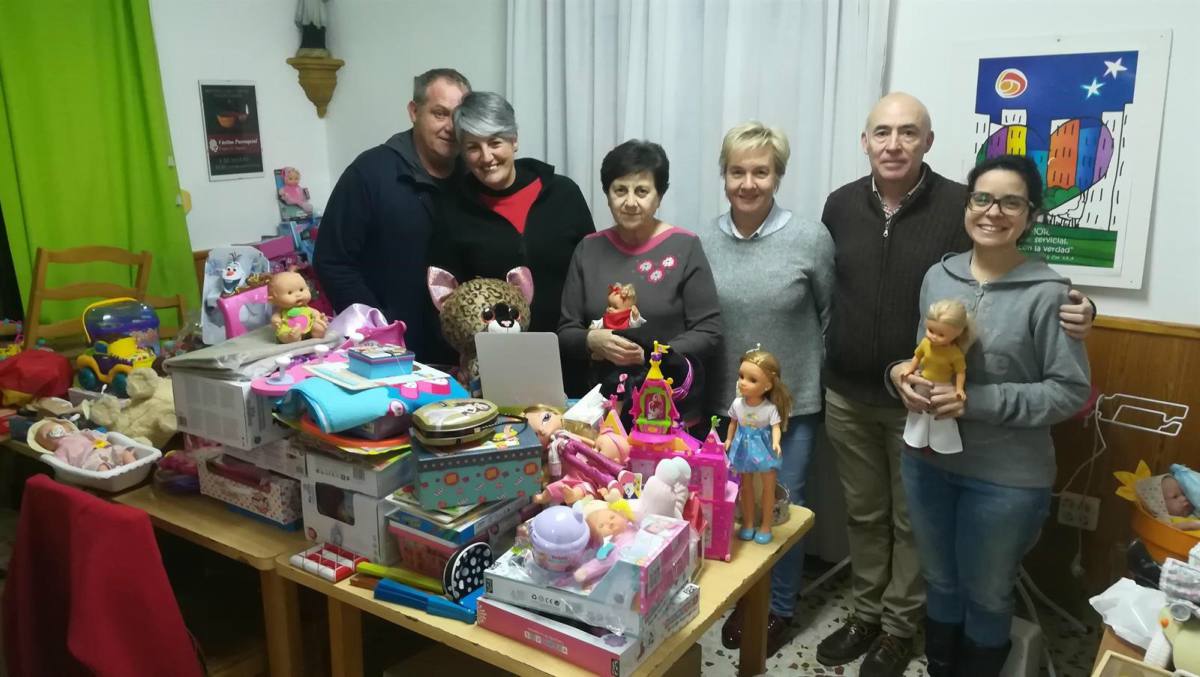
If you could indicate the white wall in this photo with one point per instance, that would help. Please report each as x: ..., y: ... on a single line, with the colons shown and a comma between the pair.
x: 924, y: 34
x: 237, y: 40
x: 385, y: 43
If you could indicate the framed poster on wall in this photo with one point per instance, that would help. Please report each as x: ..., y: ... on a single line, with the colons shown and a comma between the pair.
x: 231, y: 134
x: 1087, y: 109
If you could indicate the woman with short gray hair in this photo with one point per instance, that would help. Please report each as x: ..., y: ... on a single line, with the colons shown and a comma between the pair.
x: 505, y: 211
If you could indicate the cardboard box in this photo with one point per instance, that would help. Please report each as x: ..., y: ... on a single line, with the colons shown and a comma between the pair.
x: 607, y: 654
x: 223, y: 411
x: 347, y: 519
x: 648, y: 572
x: 427, y: 553
x: 505, y: 466
x: 377, y: 475
x: 252, y: 490
x: 281, y: 456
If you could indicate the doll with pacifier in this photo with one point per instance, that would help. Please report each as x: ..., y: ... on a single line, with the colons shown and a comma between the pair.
x: 940, y: 358
x: 293, y: 319
x: 622, y: 311
x: 757, y: 419
x: 84, y: 449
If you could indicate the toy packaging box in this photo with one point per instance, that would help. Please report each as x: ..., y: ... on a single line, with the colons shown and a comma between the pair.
x: 376, y: 475
x: 252, y: 490
x: 427, y: 553
x: 281, y: 456
x: 718, y: 530
x: 647, y: 572
x: 458, y: 527
x: 226, y: 272
x: 508, y: 465
x: 348, y: 519
x: 223, y: 411
x: 598, y: 651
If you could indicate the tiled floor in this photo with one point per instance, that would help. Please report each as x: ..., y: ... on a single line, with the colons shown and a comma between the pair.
x: 822, y: 610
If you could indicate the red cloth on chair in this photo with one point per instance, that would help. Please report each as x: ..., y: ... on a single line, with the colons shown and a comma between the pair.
x: 86, y: 592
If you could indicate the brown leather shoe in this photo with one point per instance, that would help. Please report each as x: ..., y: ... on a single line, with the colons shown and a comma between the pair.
x: 777, y: 633
x: 731, y: 630
x: 889, y: 656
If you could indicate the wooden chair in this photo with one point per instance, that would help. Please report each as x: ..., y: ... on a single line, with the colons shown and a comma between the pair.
x: 34, y: 329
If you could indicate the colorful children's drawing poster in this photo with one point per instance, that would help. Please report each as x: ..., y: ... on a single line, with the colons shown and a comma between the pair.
x: 1088, y: 111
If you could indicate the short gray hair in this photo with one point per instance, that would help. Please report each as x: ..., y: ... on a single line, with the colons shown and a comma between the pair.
x: 485, y: 114
x: 421, y: 82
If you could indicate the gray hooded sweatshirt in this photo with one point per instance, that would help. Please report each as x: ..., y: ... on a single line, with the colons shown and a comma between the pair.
x: 1024, y: 373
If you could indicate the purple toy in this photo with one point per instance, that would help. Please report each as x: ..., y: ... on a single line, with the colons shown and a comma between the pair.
x: 559, y: 537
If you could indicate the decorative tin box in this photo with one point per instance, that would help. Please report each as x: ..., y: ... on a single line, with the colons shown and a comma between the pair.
x: 507, y: 465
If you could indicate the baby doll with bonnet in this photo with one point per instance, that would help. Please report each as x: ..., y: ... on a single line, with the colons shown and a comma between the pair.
x: 1164, y: 498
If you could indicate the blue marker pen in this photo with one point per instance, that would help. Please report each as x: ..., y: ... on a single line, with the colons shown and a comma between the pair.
x: 398, y: 593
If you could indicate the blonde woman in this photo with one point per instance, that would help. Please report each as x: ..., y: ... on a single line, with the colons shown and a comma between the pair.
x: 774, y: 275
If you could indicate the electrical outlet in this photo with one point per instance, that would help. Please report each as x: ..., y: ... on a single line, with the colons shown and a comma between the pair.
x: 1079, y: 511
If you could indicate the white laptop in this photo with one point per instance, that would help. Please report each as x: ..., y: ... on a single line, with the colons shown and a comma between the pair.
x: 519, y: 370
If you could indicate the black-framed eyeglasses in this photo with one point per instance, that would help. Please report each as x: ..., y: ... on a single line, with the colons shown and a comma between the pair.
x: 1010, y: 205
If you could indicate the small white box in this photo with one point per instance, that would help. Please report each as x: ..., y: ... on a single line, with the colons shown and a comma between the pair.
x: 223, y: 411
x: 281, y: 456
x: 350, y: 520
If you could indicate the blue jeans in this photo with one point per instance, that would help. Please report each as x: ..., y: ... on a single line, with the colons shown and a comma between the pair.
x: 797, y: 445
x: 971, y: 536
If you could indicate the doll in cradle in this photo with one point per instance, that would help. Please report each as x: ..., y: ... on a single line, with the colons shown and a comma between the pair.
x: 293, y: 319
x: 757, y: 419
x: 941, y: 356
x: 84, y: 449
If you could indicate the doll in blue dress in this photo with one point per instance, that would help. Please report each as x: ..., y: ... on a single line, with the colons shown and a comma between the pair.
x: 757, y: 418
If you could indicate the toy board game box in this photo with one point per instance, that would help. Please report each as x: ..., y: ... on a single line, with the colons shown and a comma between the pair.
x: 601, y: 652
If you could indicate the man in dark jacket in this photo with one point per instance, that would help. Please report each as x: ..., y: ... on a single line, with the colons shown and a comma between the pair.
x: 888, y: 228
x: 375, y: 232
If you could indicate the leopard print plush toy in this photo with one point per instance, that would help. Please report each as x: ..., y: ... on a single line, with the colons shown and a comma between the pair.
x: 479, y: 305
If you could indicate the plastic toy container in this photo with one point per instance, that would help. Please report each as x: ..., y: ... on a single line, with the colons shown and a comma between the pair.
x: 117, y: 479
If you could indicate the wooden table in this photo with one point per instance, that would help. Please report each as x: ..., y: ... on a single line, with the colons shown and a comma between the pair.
x: 721, y: 585
x: 1110, y: 642
x: 209, y: 524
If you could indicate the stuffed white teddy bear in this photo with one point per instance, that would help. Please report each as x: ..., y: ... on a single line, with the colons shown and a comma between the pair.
x: 148, y: 417
x: 667, y: 491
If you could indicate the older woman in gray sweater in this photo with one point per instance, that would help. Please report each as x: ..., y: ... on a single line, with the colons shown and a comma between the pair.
x: 774, y: 276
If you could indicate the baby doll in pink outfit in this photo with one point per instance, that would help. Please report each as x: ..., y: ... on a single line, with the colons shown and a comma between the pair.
x: 84, y: 449
x: 613, y: 529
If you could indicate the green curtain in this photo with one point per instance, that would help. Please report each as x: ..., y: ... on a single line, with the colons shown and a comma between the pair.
x: 85, y: 153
